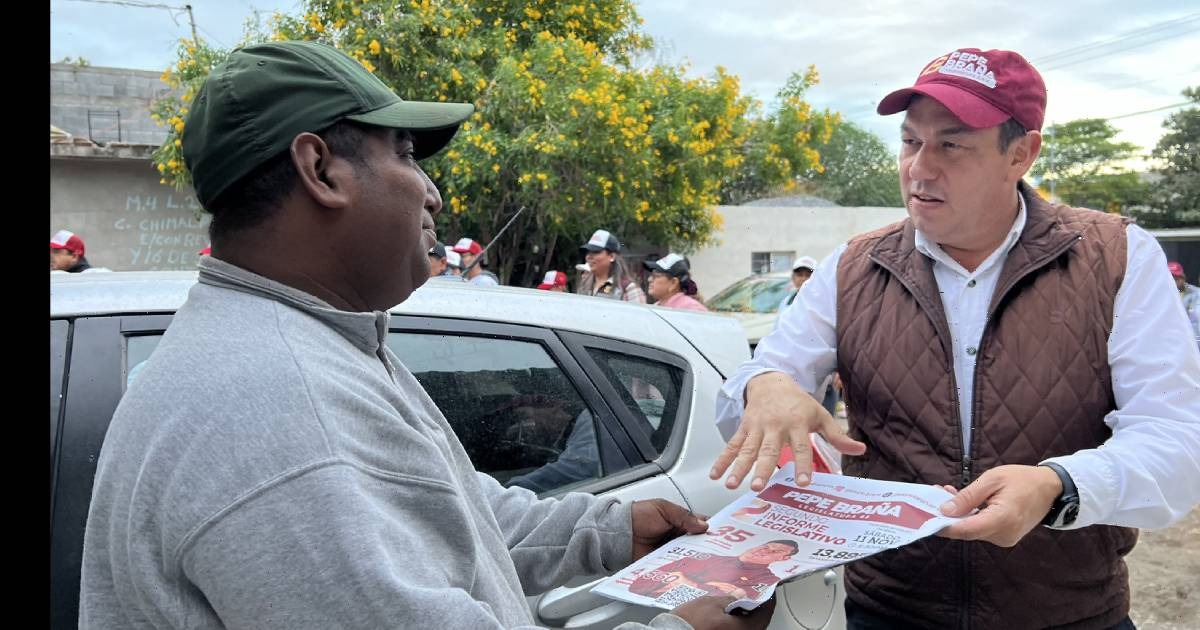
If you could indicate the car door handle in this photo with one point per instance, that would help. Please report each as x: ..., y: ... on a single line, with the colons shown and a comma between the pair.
x: 602, y: 618
x: 830, y: 577
x: 560, y: 604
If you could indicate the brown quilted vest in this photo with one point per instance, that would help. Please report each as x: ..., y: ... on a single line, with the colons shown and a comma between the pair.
x: 1042, y: 389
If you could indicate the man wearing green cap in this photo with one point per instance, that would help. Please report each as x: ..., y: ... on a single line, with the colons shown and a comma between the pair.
x: 300, y: 477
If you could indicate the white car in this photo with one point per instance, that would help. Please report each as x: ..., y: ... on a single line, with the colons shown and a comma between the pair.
x: 553, y: 392
x: 753, y: 301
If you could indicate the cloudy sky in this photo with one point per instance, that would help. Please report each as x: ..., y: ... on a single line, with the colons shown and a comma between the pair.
x: 1100, y: 58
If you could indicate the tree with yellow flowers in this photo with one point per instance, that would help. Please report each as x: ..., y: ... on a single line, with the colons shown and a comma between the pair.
x: 196, y: 60
x: 566, y: 123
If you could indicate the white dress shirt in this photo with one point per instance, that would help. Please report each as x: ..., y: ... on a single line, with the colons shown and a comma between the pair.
x: 1146, y: 475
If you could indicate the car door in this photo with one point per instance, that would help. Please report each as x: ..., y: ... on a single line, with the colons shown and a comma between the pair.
x: 686, y: 450
x: 98, y: 355
x: 514, y: 396
x: 650, y: 393
x: 60, y: 330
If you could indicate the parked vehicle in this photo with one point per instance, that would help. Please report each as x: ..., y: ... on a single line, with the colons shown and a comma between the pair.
x: 554, y: 392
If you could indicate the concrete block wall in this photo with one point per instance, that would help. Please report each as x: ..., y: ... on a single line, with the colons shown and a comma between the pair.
x: 76, y: 89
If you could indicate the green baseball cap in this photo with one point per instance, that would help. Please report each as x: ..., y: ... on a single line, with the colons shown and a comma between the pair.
x: 259, y: 99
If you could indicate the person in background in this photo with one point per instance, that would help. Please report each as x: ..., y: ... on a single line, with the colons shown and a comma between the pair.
x: 671, y: 283
x: 67, y: 253
x: 1190, y: 294
x: 554, y: 281
x: 470, y: 250
x: 802, y: 270
x: 454, y: 264
x: 437, y: 260
x: 449, y: 266
x: 606, y: 275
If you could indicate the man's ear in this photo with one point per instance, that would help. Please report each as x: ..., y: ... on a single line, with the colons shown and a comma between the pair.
x: 327, y: 178
x: 1022, y: 154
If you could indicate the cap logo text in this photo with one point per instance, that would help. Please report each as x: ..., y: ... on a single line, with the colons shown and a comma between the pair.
x: 968, y: 66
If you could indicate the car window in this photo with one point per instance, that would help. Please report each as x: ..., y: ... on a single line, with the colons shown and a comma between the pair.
x: 752, y: 295
x: 137, y: 349
x: 513, y: 408
x: 649, y: 389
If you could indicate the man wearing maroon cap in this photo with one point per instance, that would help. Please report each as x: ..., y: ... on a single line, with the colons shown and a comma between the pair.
x: 66, y: 253
x: 991, y: 343
x: 475, y: 273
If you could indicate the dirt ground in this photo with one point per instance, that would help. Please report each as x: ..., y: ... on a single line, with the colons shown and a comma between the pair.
x: 1164, y: 571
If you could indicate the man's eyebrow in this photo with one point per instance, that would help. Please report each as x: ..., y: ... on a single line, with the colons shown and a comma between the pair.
x: 953, y: 131
x: 400, y: 136
x: 948, y: 131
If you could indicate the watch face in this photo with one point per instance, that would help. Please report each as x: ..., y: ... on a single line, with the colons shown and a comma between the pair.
x: 1071, y: 513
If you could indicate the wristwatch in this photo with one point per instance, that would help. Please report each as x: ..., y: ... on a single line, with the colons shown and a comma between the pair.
x: 1065, y: 508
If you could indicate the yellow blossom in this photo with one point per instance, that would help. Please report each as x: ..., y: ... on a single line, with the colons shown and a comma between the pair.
x: 314, y: 21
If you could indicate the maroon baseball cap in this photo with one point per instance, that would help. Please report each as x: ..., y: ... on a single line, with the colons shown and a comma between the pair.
x: 553, y: 279
x: 70, y: 241
x: 983, y: 88
x: 467, y: 246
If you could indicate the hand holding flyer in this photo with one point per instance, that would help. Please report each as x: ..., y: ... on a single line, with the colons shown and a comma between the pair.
x: 782, y: 533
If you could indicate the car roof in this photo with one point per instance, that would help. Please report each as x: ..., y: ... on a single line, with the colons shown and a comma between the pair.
x: 718, y: 338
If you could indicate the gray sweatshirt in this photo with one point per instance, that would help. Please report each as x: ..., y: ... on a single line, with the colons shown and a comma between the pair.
x: 274, y: 466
